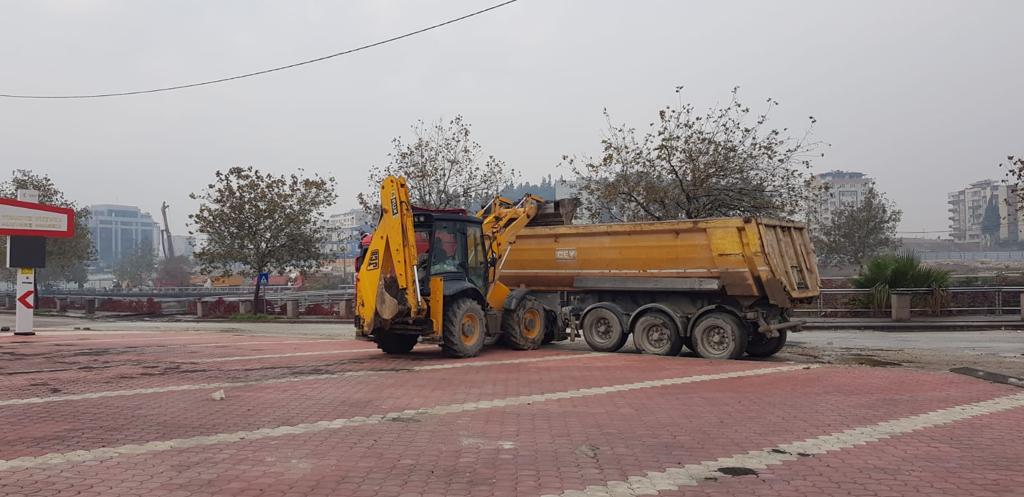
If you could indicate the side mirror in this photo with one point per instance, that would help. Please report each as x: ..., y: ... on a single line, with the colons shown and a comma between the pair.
x: 493, y: 261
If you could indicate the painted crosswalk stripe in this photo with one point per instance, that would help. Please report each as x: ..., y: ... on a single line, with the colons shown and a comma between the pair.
x: 291, y: 379
x: 671, y: 479
x: 334, y: 424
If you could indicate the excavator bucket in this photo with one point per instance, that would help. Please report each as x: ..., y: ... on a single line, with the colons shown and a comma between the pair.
x: 556, y: 213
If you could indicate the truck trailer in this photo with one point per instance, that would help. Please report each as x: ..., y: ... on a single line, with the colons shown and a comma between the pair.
x: 721, y: 287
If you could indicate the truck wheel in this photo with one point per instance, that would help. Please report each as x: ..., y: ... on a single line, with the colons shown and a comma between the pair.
x: 394, y: 343
x: 603, y: 331
x: 762, y: 346
x: 719, y: 335
x: 655, y: 333
x: 523, y: 327
x: 463, y: 334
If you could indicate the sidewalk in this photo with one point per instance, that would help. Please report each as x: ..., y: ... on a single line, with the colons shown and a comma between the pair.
x: 923, y: 323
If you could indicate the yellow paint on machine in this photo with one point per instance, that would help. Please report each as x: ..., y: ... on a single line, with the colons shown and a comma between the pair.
x: 749, y: 256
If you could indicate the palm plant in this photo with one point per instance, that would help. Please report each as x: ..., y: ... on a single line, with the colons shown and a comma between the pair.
x: 903, y: 269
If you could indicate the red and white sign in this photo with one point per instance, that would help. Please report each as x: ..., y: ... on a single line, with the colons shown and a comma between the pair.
x: 32, y: 219
x: 24, y: 299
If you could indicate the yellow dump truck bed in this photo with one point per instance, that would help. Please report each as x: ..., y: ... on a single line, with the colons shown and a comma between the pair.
x: 744, y: 257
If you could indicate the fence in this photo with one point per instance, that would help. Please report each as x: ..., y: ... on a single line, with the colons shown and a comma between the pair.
x: 1013, y: 255
x: 853, y: 302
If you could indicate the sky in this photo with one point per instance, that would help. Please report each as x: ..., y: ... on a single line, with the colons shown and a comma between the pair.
x: 924, y: 96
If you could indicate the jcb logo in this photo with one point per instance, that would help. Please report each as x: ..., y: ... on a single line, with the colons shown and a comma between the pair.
x: 394, y: 204
x: 374, y: 262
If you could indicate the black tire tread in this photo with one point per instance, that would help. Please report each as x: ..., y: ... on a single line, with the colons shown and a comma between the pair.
x: 511, y: 325
x: 451, y: 345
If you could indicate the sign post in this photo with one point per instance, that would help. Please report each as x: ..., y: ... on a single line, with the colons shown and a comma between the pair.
x: 27, y: 224
x: 24, y: 291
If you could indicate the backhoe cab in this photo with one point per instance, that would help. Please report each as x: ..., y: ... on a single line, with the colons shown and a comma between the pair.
x: 432, y: 276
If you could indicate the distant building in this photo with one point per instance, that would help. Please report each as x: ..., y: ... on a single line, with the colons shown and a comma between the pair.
x: 343, y: 231
x: 117, y: 231
x: 986, y: 211
x: 837, y: 189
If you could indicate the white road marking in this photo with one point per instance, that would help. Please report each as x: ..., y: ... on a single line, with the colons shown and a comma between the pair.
x: 273, y: 356
x: 330, y: 376
x: 670, y: 479
x: 319, y: 426
x: 88, y: 341
x: 256, y: 343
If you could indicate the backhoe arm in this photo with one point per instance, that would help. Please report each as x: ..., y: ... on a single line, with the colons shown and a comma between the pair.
x: 502, y: 222
x: 388, y: 287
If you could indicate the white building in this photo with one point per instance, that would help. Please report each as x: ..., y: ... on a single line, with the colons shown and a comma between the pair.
x: 838, y: 189
x: 118, y: 229
x: 343, y: 230
x: 968, y: 208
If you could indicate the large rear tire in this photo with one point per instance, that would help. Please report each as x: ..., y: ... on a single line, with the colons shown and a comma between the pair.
x: 720, y: 335
x: 394, y: 343
x: 603, y: 331
x: 523, y: 328
x: 464, y: 328
x: 656, y: 333
x: 761, y: 346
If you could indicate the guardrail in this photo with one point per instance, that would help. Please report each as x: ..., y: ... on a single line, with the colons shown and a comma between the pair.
x: 952, y: 301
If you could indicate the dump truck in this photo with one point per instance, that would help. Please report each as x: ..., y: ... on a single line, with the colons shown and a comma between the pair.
x: 433, y: 276
x: 721, y: 287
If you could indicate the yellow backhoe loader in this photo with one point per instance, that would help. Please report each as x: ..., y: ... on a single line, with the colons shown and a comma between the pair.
x: 433, y: 276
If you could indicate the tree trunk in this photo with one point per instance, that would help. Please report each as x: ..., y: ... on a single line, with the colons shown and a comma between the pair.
x: 256, y: 309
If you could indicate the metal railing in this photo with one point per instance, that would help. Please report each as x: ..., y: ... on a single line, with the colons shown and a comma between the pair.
x: 953, y: 300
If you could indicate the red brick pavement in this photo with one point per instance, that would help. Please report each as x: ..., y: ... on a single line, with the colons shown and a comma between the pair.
x: 546, y: 447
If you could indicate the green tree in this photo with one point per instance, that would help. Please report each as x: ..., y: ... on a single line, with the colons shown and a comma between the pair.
x: 689, y: 164
x: 66, y: 258
x: 136, y: 269
x: 445, y: 167
x: 256, y: 222
x: 858, y: 231
x: 174, y: 271
x: 991, y: 221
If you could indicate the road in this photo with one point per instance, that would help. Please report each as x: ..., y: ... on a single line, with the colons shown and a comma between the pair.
x: 993, y: 350
x: 190, y: 413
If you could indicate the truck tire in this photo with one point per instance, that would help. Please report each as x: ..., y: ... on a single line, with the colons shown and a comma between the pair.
x: 656, y: 333
x: 720, y: 335
x: 603, y: 331
x: 394, y: 343
x: 464, y: 328
x: 761, y: 346
x: 523, y: 328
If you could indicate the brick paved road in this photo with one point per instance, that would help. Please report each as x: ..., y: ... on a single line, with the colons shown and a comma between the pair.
x: 110, y: 414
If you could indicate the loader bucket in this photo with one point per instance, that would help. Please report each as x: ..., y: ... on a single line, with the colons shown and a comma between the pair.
x: 556, y: 213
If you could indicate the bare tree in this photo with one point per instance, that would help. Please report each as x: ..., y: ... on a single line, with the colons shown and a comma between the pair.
x: 689, y: 164
x: 444, y: 165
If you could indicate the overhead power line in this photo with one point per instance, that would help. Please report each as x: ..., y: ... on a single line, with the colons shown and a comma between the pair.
x: 264, y: 71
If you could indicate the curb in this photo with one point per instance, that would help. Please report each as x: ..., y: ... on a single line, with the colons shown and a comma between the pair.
x: 918, y: 326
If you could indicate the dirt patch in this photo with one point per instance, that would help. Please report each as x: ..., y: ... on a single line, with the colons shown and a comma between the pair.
x: 737, y: 471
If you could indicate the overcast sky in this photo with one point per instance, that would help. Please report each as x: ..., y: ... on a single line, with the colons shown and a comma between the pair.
x: 925, y: 96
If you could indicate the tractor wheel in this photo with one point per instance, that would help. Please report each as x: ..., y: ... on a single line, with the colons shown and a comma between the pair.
x: 655, y: 333
x: 523, y: 328
x: 761, y: 346
x: 394, y: 343
x: 720, y: 335
x: 464, y: 328
x: 603, y: 331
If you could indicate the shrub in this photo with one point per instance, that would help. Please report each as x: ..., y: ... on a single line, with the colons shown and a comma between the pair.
x: 903, y: 269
